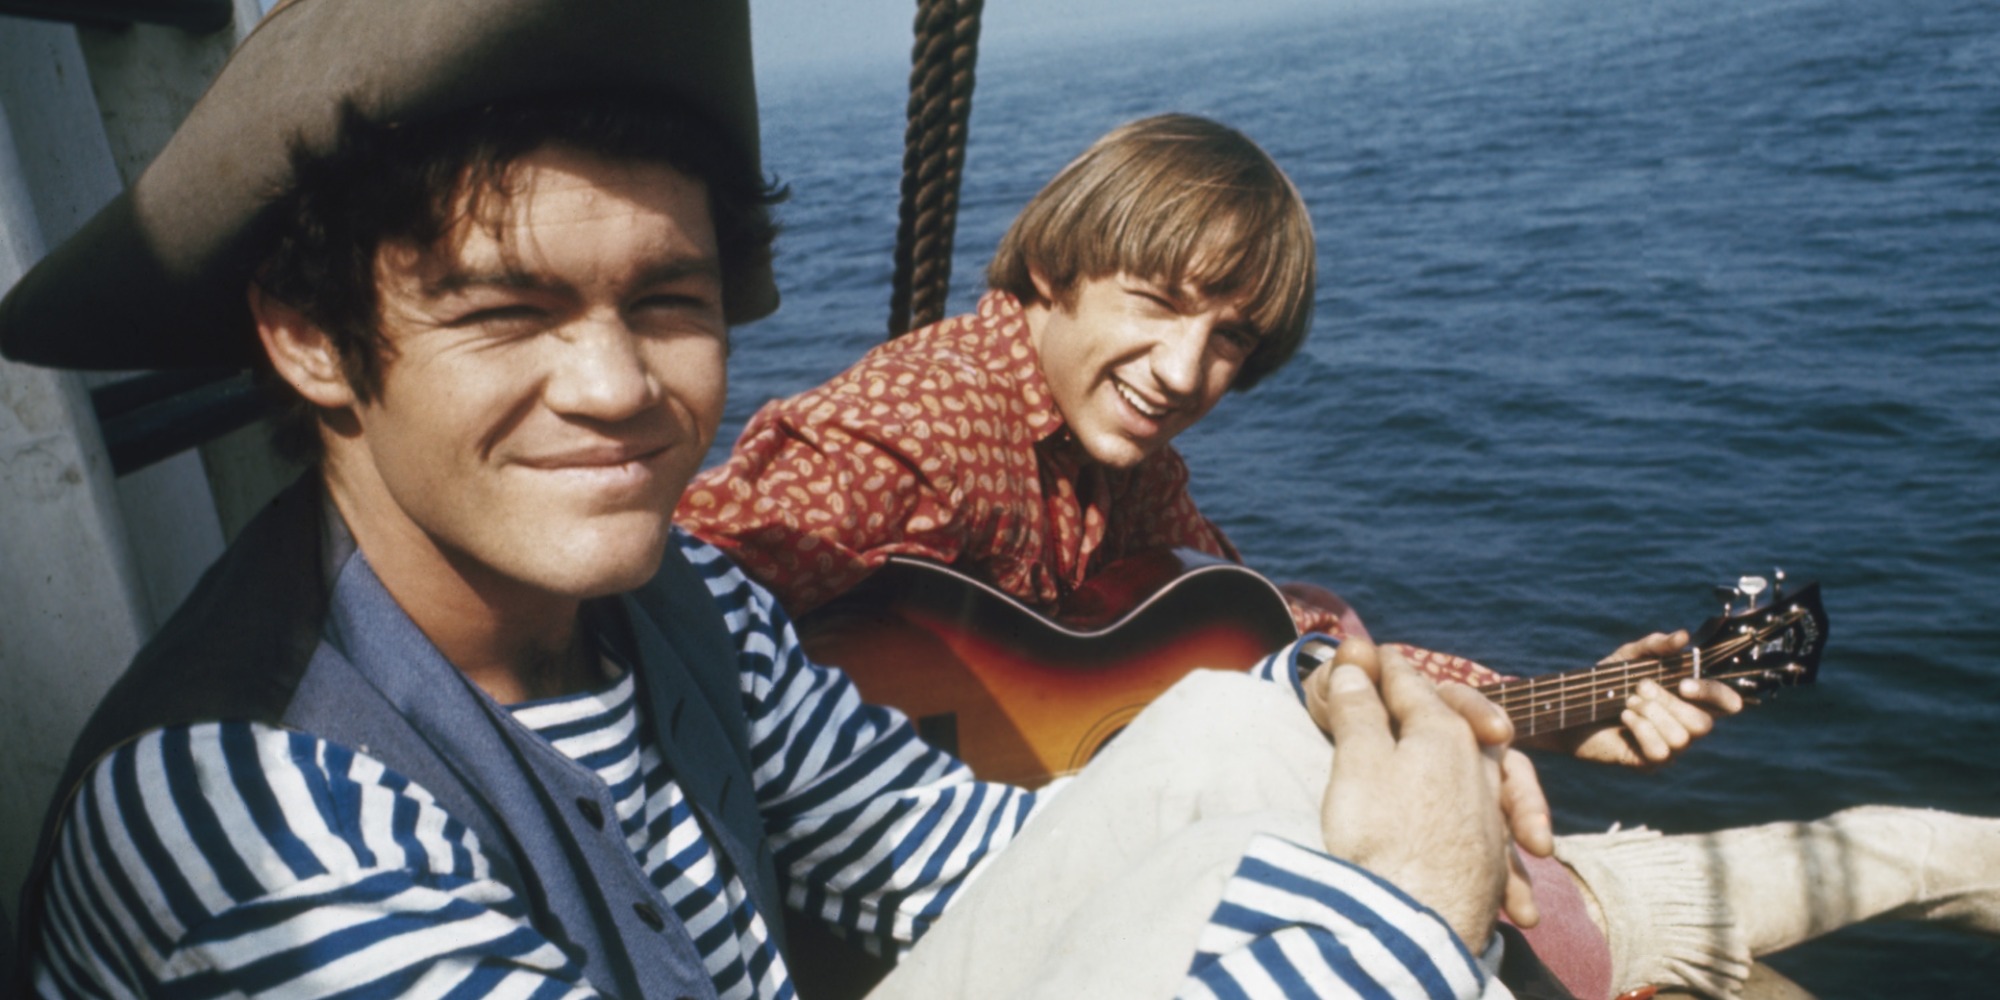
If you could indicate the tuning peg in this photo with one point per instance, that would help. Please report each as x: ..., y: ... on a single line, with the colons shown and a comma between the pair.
x: 1777, y: 585
x: 1727, y: 595
x: 1750, y: 587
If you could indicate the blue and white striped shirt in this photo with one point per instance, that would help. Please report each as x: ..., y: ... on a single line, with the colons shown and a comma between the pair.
x: 232, y: 858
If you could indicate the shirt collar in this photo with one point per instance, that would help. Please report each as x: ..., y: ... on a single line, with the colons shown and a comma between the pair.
x: 1007, y: 323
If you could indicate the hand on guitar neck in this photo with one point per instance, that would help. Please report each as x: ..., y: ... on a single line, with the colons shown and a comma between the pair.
x: 1656, y: 723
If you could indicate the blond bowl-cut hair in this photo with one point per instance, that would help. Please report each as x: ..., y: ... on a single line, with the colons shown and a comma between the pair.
x: 1181, y: 200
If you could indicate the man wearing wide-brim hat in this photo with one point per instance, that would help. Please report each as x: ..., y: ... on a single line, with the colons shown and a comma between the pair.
x: 460, y: 714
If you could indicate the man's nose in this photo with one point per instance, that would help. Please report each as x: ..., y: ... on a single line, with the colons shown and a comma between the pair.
x: 600, y: 373
x: 1178, y: 356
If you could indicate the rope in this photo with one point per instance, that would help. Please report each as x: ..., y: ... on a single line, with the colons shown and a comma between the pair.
x: 947, y: 45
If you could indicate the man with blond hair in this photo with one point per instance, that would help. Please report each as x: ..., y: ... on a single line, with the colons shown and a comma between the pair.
x: 1028, y: 444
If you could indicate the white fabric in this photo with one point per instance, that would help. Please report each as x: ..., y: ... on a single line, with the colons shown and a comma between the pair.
x: 1695, y: 909
x: 1108, y: 890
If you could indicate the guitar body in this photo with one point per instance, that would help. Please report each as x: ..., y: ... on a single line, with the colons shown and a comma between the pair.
x: 1023, y: 697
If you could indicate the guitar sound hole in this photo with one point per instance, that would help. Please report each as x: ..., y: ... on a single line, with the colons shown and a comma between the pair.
x: 1106, y: 742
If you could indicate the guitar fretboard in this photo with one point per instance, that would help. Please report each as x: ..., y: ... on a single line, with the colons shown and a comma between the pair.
x: 1592, y: 696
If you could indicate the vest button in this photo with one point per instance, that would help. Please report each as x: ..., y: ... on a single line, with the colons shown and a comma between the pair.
x: 649, y: 916
x: 592, y: 812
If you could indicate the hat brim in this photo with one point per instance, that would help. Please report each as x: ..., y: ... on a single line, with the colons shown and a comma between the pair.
x: 157, y: 278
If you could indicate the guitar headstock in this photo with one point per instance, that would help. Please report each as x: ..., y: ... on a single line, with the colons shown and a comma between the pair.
x: 1763, y: 648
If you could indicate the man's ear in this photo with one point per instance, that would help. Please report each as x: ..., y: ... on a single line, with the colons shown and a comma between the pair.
x: 1043, y: 289
x: 300, y: 351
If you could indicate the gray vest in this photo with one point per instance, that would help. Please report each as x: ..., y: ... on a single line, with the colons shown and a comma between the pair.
x: 288, y: 629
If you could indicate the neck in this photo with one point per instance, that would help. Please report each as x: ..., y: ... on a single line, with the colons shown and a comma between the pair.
x: 518, y: 643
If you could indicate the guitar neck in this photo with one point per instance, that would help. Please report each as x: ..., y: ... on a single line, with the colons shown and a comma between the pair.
x: 1595, y: 695
x: 1576, y: 698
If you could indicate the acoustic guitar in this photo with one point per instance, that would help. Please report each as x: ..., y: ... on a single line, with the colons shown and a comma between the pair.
x: 1024, y: 697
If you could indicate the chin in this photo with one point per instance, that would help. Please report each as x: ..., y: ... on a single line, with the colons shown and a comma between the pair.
x: 1114, y: 452
x: 596, y: 562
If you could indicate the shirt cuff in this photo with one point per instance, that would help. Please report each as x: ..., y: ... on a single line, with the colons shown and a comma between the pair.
x: 1291, y: 665
x: 1298, y: 922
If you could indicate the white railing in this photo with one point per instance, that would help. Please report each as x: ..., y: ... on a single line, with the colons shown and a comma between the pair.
x: 90, y: 562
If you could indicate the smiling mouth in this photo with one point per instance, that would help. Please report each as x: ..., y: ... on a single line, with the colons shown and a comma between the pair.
x: 587, y: 459
x: 1133, y: 399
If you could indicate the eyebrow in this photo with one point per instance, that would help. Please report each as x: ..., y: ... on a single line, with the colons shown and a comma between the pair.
x: 1183, y: 296
x: 1174, y: 293
x: 514, y: 279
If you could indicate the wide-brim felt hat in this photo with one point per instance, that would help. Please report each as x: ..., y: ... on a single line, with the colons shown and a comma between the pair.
x: 157, y: 278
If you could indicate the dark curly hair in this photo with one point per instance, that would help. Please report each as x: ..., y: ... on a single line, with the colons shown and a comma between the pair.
x: 411, y: 182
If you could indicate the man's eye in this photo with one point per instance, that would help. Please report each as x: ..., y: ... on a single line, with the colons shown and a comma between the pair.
x: 1237, y: 341
x: 678, y: 301
x: 677, y: 313
x: 509, y: 317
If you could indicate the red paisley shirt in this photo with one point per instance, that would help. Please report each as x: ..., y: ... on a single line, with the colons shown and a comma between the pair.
x: 945, y: 443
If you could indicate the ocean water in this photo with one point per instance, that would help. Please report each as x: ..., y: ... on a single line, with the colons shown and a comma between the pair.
x: 1618, y: 301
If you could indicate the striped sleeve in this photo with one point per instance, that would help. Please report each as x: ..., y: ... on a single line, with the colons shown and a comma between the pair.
x: 1294, y: 922
x: 1288, y: 666
x: 233, y: 858
x: 875, y: 830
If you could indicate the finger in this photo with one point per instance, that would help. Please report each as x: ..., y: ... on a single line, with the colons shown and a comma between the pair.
x: 1658, y: 707
x: 1403, y: 688
x: 1519, y: 901
x: 1645, y: 738
x: 1361, y: 652
x: 1489, y: 722
x: 1414, y: 705
x: 1611, y: 745
x: 1692, y: 718
x: 1715, y: 696
x: 1655, y: 645
x: 1357, y: 652
x: 1525, y: 805
x: 1356, y: 718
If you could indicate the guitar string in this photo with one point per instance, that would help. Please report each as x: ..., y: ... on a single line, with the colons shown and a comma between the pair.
x: 1574, y: 692
x: 1582, y: 704
x: 1578, y: 687
x: 1582, y: 694
x: 1579, y: 699
x: 1590, y: 681
x: 1562, y: 704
